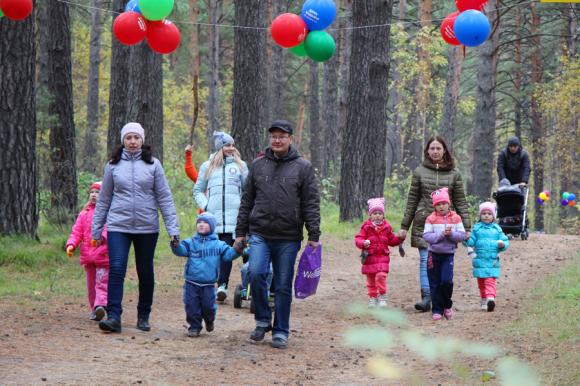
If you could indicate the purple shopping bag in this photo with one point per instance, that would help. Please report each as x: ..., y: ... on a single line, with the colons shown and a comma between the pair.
x: 308, y: 274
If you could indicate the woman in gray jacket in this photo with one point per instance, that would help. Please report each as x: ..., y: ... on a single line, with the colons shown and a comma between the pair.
x: 134, y: 187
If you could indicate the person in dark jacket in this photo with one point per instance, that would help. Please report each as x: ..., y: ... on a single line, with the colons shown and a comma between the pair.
x: 134, y: 190
x: 513, y: 163
x: 281, y: 196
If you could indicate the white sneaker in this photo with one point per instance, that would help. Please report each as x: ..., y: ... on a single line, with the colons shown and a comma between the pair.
x: 484, y: 304
x: 222, y: 293
x: 373, y: 302
x: 383, y: 300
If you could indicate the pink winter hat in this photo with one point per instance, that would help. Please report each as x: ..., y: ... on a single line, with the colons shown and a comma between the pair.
x: 487, y: 206
x: 440, y: 195
x: 376, y: 204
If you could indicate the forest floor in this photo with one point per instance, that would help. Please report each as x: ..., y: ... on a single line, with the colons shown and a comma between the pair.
x: 53, y: 342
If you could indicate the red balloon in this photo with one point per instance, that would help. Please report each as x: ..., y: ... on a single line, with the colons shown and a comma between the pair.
x: 129, y: 28
x: 447, y: 29
x: 288, y: 30
x: 464, y: 5
x: 162, y: 36
x: 16, y: 9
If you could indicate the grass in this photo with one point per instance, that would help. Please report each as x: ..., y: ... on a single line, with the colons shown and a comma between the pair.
x: 552, y: 321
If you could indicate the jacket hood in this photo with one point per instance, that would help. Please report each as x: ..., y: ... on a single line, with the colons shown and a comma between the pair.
x: 211, y: 236
x: 432, y: 165
x: 292, y: 154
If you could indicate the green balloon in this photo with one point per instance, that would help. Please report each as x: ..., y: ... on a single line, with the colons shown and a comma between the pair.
x: 319, y: 46
x: 1, y: 13
x: 155, y: 9
x: 299, y: 50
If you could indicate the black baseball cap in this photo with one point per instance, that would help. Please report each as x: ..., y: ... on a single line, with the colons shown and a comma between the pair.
x: 282, y: 125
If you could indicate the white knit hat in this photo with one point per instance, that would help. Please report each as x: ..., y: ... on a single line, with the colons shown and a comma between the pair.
x: 488, y: 206
x: 133, y: 127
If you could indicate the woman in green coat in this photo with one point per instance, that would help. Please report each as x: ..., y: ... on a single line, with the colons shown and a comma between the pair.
x: 438, y: 171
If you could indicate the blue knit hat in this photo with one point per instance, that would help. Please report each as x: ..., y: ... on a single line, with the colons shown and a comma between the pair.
x: 220, y: 139
x: 208, y: 218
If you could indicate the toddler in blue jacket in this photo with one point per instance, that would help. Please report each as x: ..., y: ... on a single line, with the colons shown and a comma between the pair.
x: 488, y: 240
x: 204, y: 252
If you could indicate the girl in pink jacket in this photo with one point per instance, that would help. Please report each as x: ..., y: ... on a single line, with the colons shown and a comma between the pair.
x: 374, y: 238
x: 94, y: 259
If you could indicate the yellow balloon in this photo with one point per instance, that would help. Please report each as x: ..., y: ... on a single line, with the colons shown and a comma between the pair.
x: 543, y: 196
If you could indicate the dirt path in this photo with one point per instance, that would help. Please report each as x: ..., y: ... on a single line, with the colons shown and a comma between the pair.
x: 54, y: 343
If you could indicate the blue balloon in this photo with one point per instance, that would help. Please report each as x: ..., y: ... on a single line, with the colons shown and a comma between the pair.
x: 471, y: 28
x: 318, y: 14
x: 133, y: 6
x: 571, y: 197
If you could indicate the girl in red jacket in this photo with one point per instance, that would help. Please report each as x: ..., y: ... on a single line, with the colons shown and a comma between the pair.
x: 374, y: 238
x: 94, y: 259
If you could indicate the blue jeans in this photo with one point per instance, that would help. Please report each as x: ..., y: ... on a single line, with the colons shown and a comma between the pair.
x: 282, y: 255
x: 440, y: 268
x: 423, y: 277
x: 199, y: 304
x: 119, y: 244
x: 225, y: 266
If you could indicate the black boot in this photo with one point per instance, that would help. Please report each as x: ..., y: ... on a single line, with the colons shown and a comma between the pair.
x: 143, y: 323
x: 110, y: 325
x: 425, y: 304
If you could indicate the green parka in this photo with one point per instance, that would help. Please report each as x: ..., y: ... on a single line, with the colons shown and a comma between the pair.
x: 426, y: 179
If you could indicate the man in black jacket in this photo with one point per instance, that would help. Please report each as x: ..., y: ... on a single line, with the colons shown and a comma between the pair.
x: 281, y: 196
x: 513, y: 163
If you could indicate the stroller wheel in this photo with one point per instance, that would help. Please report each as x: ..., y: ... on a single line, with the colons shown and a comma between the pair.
x: 238, y: 296
x: 525, y: 235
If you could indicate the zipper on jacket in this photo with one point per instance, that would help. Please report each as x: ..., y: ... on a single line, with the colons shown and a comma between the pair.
x: 133, y: 187
x: 224, y: 198
x: 437, y: 175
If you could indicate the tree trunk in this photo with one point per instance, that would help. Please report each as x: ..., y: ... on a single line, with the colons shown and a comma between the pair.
x: 537, y: 127
x: 90, y: 155
x: 415, y: 130
x: 18, y: 209
x: 63, y: 182
x: 145, y: 95
x: 119, y: 85
x: 316, y: 136
x: 484, y: 140
x: 329, y: 123
x: 455, y: 64
x: 364, y: 141
x: 518, y: 75
x: 275, y: 69
x: 213, y: 101
x: 195, y: 64
x: 344, y: 53
x: 249, y: 67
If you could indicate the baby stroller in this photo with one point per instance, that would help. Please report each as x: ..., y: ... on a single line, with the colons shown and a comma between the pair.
x: 512, y: 202
x: 243, y: 292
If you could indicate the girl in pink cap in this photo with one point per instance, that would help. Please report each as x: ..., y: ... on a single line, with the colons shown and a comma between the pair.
x: 374, y: 238
x: 443, y: 230
x: 488, y: 240
x: 94, y: 259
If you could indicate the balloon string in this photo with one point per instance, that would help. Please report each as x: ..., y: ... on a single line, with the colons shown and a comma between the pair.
x: 267, y: 28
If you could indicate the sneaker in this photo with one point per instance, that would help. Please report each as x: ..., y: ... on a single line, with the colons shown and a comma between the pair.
x: 100, y: 313
x: 483, y: 304
x: 279, y: 342
x: 193, y: 333
x: 222, y: 293
x: 373, y: 302
x: 383, y: 300
x: 448, y: 313
x: 490, y: 304
x: 209, y: 326
x: 259, y: 332
x: 93, y: 316
x: 436, y: 317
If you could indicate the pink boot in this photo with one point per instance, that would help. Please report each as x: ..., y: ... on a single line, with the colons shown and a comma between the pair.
x: 436, y: 317
x: 448, y: 312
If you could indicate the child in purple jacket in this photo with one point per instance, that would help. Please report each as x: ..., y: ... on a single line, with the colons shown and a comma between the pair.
x: 443, y: 230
